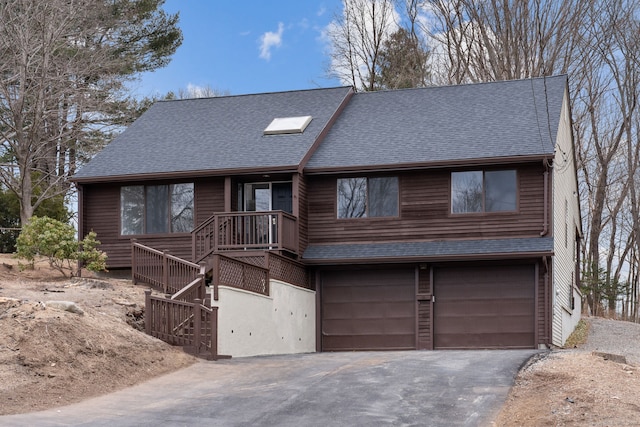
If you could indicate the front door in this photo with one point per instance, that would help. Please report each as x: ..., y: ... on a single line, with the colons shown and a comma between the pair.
x: 267, y: 196
x: 264, y: 197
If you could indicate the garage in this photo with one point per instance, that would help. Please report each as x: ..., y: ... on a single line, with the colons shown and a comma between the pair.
x: 489, y: 306
x: 372, y: 309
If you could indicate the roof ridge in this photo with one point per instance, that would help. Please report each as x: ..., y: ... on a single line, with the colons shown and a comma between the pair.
x: 463, y: 85
x: 256, y: 94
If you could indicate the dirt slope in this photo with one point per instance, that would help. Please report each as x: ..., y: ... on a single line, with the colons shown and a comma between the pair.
x: 579, y: 387
x: 51, y: 357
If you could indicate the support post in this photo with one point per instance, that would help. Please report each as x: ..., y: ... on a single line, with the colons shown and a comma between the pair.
x: 197, y: 325
x: 215, y: 276
x: 147, y: 312
x: 214, y: 333
x: 134, y: 261
x: 165, y: 271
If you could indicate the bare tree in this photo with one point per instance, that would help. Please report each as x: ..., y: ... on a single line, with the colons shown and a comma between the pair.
x: 356, y: 38
x: 606, y: 123
x: 62, y: 74
x: 206, y: 91
x: 487, y: 40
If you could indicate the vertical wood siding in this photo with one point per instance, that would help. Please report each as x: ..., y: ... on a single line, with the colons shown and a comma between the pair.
x: 425, y: 212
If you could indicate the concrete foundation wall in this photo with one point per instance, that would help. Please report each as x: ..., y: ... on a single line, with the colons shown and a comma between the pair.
x: 252, y: 325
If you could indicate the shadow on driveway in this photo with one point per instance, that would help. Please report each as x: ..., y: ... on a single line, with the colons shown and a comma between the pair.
x: 426, y: 388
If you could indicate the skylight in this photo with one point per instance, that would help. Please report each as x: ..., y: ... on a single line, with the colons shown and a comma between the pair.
x: 285, y: 125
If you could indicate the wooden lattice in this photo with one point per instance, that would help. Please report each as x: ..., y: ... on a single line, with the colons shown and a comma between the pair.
x: 258, y: 260
x: 288, y: 270
x: 239, y: 274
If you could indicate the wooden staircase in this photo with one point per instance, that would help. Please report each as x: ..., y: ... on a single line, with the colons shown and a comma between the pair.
x: 184, y: 315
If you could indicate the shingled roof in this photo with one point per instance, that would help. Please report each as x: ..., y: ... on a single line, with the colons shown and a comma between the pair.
x: 216, y: 135
x: 444, y: 124
x: 440, y: 250
x: 386, y: 129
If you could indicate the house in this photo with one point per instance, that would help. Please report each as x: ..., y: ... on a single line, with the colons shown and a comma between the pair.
x: 433, y: 218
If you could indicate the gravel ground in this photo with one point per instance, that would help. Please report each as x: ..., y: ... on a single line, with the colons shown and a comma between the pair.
x: 610, y: 336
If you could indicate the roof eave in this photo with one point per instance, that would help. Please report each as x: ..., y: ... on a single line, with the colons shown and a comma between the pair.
x: 428, y: 258
x: 155, y: 176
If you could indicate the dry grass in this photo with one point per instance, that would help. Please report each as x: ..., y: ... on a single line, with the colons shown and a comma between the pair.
x: 579, y: 335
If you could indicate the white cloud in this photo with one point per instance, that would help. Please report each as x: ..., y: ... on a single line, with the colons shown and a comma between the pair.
x: 321, y: 11
x: 196, y: 91
x: 269, y: 40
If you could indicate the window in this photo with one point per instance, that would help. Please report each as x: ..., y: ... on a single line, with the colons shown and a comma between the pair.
x: 153, y: 209
x: 488, y: 191
x: 367, y: 197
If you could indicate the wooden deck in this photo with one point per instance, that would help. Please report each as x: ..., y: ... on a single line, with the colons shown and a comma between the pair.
x: 272, y: 230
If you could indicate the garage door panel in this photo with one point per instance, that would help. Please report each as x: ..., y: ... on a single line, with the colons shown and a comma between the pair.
x: 498, y: 309
x: 368, y: 342
x: 489, y: 340
x: 368, y: 294
x: 345, y: 310
x: 368, y: 309
x: 368, y: 326
x: 484, y: 306
x: 485, y: 325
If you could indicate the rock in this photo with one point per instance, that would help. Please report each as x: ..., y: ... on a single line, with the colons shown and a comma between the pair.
x: 124, y: 303
x: 7, y: 303
x: 610, y: 356
x: 69, y: 306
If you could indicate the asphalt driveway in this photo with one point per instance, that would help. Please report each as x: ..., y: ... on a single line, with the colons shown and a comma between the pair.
x: 425, y: 388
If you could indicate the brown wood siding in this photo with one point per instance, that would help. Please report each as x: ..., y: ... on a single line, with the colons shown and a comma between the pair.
x: 303, y: 214
x: 424, y: 325
x: 425, y: 212
x: 102, y: 214
x: 425, y: 340
x: 368, y: 309
x: 484, y: 306
x: 209, y: 197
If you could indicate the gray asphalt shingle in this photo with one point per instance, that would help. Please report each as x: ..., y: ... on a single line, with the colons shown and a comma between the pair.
x: 436, y: 124
x: 440, y: 124
x: 443, y: 248
x: 216, y: 134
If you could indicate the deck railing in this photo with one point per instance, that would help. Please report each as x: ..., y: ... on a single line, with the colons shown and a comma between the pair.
x: 194, y: 290
x: 163, y: 271
x: 245, y: 230
x: 187, y: 324
x: 238, y: 274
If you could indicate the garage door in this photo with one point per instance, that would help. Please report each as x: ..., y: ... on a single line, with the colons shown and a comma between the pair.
x: 368, y: 309
x: 484, y: 307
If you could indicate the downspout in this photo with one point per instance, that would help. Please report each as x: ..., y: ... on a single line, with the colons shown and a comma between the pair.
x: 80, y: 189
x: 545, y: 224
x: 547, y: 307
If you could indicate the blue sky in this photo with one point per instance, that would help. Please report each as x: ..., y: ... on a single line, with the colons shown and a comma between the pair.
x: 246, y: 46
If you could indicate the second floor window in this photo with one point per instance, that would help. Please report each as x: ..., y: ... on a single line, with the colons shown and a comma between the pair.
x: 483, y: 191
x: 153, y: 209
x: 367, y: 197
